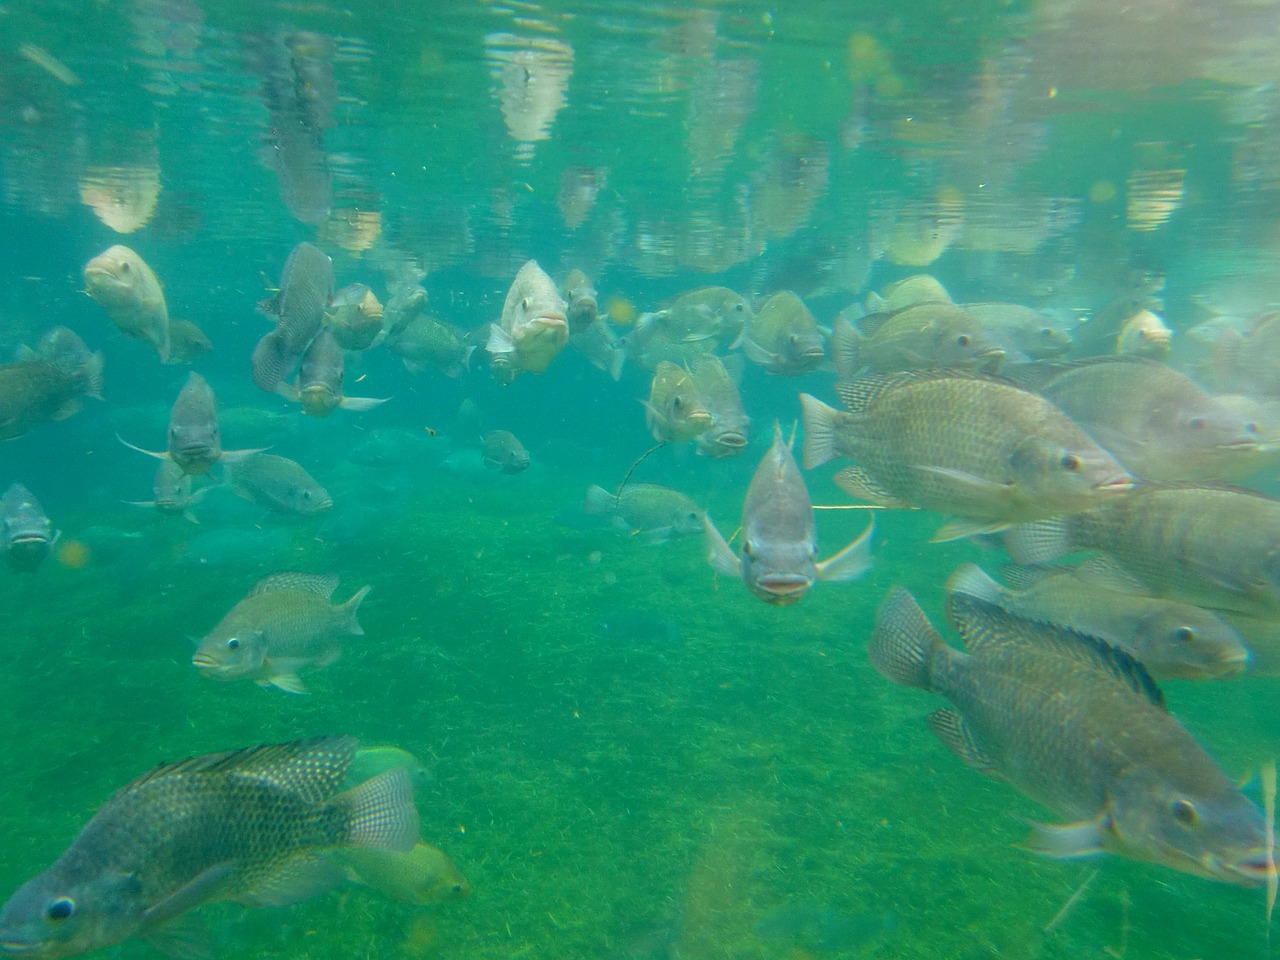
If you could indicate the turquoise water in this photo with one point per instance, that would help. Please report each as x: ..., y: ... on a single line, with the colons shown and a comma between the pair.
x: 724, y: 778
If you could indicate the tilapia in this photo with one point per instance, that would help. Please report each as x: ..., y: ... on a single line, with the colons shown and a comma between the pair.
x: 675, y: 410
x: 1170, y: 638
x: 1158, y: 422
x: 707, y: 316
x: 320, y: 379
x: 250, y: 825
x: 730, y: 426
x: 600, y: 345
x: 1213, y: 545
x: 425, y: 341
x: 354, y: 317
x: 533, y: 328
x: 173, y: 492
x: 1021, y: 331
x: 783, y: 337
x: 306, y: 287
x: 778, y: 561
x: 280, y: 484
x: 284, y: 625
x: 1144, y: 335
x: 422, y: 875
x: 653, y: 512
x: 127, y: 289
x: 582, y: 302
x: 186, y: 341
x: 26, y: 533
x: 195, y: 439
x: 917, y: 288
x: 1079, y: 726
x: 47, y: 384
x: 502, y: 451
x: 960, y: 443
x: 929, y: 335
x: 1249, y: 360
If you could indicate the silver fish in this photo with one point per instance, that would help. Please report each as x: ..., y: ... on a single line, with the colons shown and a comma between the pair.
x: 320, y: 378
x: 26, y: 534
x: 280, y: 484
x: 195, y: 439
x: 533, y: 329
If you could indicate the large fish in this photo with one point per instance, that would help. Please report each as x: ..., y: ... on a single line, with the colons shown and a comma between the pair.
x: 424, y: 341
x: 779, y: 556
x: 960, y: 443
x: 1080, y: 727
x: 285, y: 624
x: 653, y: 512
x: 676, y: 410
x: 501, y: 450
x: 306, y: 287
x: 533, y: 328
x: 251, y: 825
x: 26, y: 534
x: 195, y: 438
x: 320, y: 378
x: 128, y: 290
x: 280, y: 484
x: 1209, y: 544
x: 730, y: 426
x: 48, y: 383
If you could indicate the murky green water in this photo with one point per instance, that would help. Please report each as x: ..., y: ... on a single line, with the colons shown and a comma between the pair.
x: 628, y: 757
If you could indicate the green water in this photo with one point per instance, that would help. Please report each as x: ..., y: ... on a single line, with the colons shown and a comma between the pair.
x: 735, y: 781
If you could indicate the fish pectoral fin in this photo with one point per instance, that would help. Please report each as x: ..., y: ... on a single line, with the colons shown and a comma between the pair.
x: 183, y: 939
x: 361, y: 404
x: 971, y: 482
x: 719, y: 555
x: 758, y: 354
x: 235, y: 456
x: 1064, y: 841
x: 851, y: 562
x: 499, y: 341
x: 149, y: 453
x: 950, y: 727
x: 288, y: 682
x: 299, y: 878
x: 962, y: 527
x: 190, y: 895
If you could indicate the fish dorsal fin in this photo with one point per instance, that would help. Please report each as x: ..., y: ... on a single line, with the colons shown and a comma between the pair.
x: 322, y: 585
x: 1215, y: 485
x: 312, y: 769
x: 861, y: 394
x: 1042, y: 373
x: 983, y: 624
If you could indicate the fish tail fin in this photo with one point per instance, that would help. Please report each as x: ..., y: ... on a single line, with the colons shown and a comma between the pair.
x: 1039, y: 541
x: 352, y: 607
x: 971, y: 580
x: 598, y: 501
x: 904, y: 643
x: 851, y: 562
x: 819, y: 431
x: 380, y: 812
x: 91, y: 376
x: 844, y: 343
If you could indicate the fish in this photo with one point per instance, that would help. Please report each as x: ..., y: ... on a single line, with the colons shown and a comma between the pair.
x: 960, y: 443
x: 279, y: 484
x: 1170, y: 638
x: 1078, y: 726
x: 26, y: 533
x: 707, y: 316
x: 125, y: 287
x: 602, y: 347
x: 582, y: 302
x: 783, y: 337
x: 354, y: 317
x: 653, y: 512
x: 47, y: 384
x: 187, y: 342
x: 425, y: 341
x: 1210, y: 544
x: 306, y: 287
x: 173, y: 492
x: 285, y: 624
x: 1023, y: 332
x: 247, y: 825
x: 675, y: 410
x: 930, y: 335
x: 195, y: 439
x: 422, y: 875
x: 907, y: 292
x: 1157, y: 421
x: 779, y: 556
x: 730, y: 426
x: 1144, y: 335
x: 502, y: 451
x: 407, y: 300
x: 320, y: 378
x: 533, y: 328
x: 1100, y: 333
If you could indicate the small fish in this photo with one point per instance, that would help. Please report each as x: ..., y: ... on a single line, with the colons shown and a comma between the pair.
x: 707, y: 316
x: 320, y: 378
x: 284, y: 625
x: 425, y: 341
x: 600, y: 345
x: 582, y: 302
x: 1171, y: 639
x: 779, y: 553
x: 249, y: 825
x: 1076, y: 725
x: 1144, y: 335
x: 783, y: 337
x: 503, y: 452
x: 533, y: 328
x: 907, y: 292
x: 963, y: 444
x: 354, y: 317
x: 675, y: 410
x: 931, y: 335
x: 127, y: 289
x: 280, y: 484
x: 1023, y: 332
x: 654, y: 512
x: 195, y: 439
x: 47, y: 384
x: 187, y: 342
x: 173, y: 492
x: 26, y: 534
x: 407, y: 301
x: 421, y: 875
x: 730, y: 426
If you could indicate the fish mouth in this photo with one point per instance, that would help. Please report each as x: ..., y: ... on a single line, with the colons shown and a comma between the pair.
x: 990, y: 358
x: 699, y: 418
x: 17, y: 946
x: 29, y: 539
x: 204, y: 663
x: 1249, y: 871
x: 1115, y: 485
x: 783, y: 588
x: 734, y: 441
x: 550, y: 321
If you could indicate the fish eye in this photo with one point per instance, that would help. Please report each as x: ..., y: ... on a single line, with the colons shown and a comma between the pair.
x: 524, y: 304
x: 963, y: 340
x: 306, y: 494
x: 747, y: 549
x: 60, y: 909
x: 125, y: 267
x: 676, y: 403
x: 233, y: 643
x: 1250, y: 428
x: 1071, y: 462
x: 1047, y: 332
x: 1184, y: 634
x: 1196, y: 423
x: 1184, y: 811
